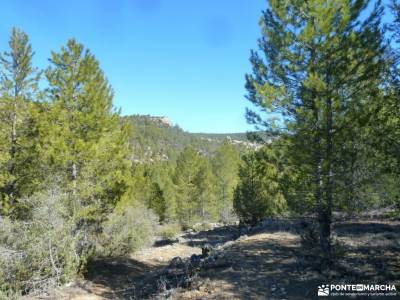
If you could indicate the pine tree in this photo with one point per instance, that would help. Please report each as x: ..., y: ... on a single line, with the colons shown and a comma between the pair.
x: 19, y: 87
x: 186, y: 171
x: 226, y: 168
x: 82, y: 135
x: 321, y: 68
x: 157, y: 202
x: 259, y: 194
x: 162, y: 174
x: 205, y: 198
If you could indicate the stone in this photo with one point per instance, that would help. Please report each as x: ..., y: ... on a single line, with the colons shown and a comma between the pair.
x: 176, y: 262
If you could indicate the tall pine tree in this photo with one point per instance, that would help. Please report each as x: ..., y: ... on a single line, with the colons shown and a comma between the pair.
x: 18, y: 88
x: 320, y: 69
x: 83, y: 136
x: 205, y: 195
x: 226, y: 168
x: 187, y: 166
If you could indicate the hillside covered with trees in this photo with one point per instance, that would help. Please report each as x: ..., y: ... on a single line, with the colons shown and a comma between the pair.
x: 79, y: 182
x: 156, y: 138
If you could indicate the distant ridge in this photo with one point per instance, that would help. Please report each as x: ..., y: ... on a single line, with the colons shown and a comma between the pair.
x: 156, y: 138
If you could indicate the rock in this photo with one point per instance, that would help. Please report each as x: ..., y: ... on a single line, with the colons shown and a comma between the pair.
x: 228, y: 244
x: 176, y: 262
x: 243, y: 237
x: 218, y: 246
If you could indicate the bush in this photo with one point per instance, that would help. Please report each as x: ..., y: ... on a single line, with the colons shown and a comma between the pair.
x: 42, y: 251
x: 169, y: 231
x: 56, y: 241
x: 203, y: 226
x: 127, y: 231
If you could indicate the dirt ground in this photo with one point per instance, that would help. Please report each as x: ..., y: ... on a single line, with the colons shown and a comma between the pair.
x: 267, y: 263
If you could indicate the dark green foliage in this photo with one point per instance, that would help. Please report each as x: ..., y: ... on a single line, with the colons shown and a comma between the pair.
x: 152, y: 186
x: 259, y: 193
x: 319, y: 73
x: 157, y: 201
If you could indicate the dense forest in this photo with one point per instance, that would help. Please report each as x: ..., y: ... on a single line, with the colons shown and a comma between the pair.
x: 78, y: 180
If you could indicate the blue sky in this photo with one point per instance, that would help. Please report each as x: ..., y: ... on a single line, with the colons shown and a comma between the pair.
x: 185, y: 59
x: 179, y: 58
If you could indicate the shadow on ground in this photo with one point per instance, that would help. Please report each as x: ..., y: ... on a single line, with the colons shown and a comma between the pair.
x: 123, y: 278
x: 264, y: 265
x: 362, y: 228
x: 273, y: 265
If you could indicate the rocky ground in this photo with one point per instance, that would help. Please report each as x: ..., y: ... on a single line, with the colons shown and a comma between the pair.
x: 266, y: 262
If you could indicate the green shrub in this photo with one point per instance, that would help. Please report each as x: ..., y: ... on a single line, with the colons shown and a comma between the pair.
x: 169, y: 231
x: 43, y: 251
x: 126, y: 231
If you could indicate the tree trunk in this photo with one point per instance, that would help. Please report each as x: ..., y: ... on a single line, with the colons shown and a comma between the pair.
x: 11, y: 189
x: 321, y: 164
x: 326, y: 212
x: 318, y: 192
x: 13, y: 153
